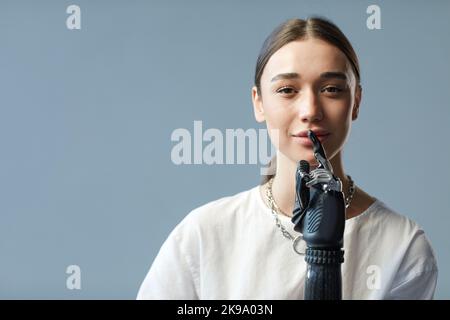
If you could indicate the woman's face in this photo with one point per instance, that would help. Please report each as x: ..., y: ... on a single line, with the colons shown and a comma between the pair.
x: 307, y: 84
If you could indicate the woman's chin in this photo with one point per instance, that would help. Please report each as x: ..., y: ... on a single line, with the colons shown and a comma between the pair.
x: 306, y: 154
x: 311, y: 160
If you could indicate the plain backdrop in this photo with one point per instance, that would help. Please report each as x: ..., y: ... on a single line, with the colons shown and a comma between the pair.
x: 86, y: 117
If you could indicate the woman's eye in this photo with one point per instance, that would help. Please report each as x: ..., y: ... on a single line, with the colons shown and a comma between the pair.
x: 332, y: 89
x: 286, y: 90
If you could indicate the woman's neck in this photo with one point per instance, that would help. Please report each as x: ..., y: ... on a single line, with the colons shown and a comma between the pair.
x: 283, y: 188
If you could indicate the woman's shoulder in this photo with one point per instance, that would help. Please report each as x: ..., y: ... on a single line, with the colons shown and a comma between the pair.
x: 390, y: 227
x: 392, y: 230
x: 227, y: 210
x: 383, y: 217
x: 232, y: 201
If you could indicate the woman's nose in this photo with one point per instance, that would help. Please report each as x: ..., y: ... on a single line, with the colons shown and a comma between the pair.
x: 309, y: 108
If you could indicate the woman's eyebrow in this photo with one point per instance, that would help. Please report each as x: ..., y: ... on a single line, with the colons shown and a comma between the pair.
x: 325, y: 75
x: 334, y: 75
x: 289, y: 75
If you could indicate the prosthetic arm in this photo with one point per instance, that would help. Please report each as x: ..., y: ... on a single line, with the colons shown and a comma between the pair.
x: 319, y: 214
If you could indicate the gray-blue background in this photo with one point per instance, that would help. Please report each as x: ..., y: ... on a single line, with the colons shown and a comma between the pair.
x: 86, y: 117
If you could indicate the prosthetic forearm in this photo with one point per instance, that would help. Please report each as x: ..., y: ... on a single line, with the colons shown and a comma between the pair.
x: 319, y: 214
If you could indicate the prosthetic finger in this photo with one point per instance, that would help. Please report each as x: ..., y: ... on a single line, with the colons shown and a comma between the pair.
x: 319, y: 152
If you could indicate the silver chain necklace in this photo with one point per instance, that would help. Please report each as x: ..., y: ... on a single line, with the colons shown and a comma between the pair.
x: 274, y: 207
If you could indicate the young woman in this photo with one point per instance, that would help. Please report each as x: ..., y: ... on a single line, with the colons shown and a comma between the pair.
x: 240, y: 247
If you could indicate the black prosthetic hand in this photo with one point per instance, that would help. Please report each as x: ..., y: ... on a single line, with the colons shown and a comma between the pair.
x: 319, y: 214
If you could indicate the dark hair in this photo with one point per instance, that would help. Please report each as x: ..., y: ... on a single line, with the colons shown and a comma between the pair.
x: 298, y: 29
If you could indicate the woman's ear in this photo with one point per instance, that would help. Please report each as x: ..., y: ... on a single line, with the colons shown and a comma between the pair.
x: 358, y: 94
x: 257, y: 105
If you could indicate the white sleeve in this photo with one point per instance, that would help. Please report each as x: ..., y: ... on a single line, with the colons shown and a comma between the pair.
x: 171, y: 275
x: 420, y: 287
x: 418, y: 273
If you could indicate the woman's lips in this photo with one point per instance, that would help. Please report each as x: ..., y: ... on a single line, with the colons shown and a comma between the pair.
x: 306, y: 142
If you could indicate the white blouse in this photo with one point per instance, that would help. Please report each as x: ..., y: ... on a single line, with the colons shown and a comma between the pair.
x: 230, y: 248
